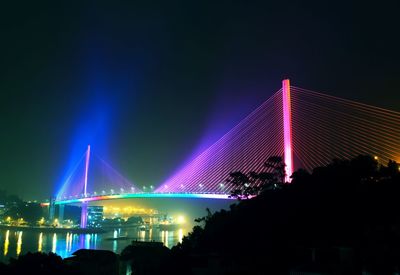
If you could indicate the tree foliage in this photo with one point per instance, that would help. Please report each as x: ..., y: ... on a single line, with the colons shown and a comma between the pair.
x: 351, y: 204
x: 253, y: 183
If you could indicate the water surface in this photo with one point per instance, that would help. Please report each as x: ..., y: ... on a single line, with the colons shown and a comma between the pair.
x: 14, y: 242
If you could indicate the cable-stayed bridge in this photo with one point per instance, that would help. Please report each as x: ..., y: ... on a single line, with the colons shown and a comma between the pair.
x: 307, y: 128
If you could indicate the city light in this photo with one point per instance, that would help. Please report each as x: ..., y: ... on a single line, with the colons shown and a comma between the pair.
x: 180, y: 219
x: 41, y: 221
x: 128, y: 211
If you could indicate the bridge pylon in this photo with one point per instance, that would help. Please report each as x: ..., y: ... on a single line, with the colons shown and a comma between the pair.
x: 287, y: 129
x: 84, y: 203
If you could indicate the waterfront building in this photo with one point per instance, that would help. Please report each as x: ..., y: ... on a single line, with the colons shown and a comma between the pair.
x: 95, y: 216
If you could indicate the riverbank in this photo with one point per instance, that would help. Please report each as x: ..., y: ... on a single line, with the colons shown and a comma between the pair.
x: 15, y: 242
x: 54, y: 229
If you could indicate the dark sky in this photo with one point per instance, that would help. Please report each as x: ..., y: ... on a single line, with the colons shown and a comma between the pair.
x: 148, y: 84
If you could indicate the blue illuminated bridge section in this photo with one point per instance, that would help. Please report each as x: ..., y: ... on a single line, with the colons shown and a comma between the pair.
x: 144, y: 195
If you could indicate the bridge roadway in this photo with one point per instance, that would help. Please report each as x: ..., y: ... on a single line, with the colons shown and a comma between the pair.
x: 144, y: 195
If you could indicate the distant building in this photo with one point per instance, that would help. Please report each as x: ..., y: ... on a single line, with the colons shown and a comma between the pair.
x: 3, y: 209
x: 95, y: 216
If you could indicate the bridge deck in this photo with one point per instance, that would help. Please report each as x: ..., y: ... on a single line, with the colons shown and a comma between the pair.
x: 146, y: 195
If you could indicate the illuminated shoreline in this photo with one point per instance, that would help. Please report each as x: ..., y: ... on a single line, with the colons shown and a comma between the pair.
x: 53, y: 229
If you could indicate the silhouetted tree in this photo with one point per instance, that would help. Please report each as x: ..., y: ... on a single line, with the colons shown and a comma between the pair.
x: 300, y: 176
x: 243, y: 185
x: 277, y: 165
x: 205, y: 218
x: 150, y: 258
x: 347, y: 205
x: 39, y: 263
x: 253, y: 183
x: 390, y: 170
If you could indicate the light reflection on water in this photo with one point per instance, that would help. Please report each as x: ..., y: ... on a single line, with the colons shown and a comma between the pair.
x: 54, y: 246
x: 14, y: 243
x: 19, y: 242
x: 40, y: 242
x: 6, y: 242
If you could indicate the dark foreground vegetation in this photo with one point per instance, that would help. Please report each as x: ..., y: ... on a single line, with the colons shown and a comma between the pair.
x: 340, y: 219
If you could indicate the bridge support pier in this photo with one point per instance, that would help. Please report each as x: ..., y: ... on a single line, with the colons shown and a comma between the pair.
x: 287, y: 129
x: 84, y: 214
x: 61, y: 208
x: 52, y: 208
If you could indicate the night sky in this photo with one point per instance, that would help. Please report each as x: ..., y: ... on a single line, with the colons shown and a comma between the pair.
x: 149, y: 85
